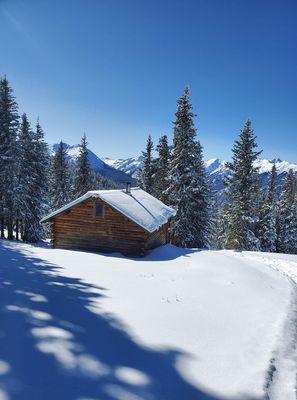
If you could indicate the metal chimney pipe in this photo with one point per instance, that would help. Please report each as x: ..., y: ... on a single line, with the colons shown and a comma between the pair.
x: 128, y: 187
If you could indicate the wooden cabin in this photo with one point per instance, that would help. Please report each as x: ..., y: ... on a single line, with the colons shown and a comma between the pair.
x: 128, y: 221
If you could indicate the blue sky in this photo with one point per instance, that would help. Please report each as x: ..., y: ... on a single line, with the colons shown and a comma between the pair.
x: 114, y: 69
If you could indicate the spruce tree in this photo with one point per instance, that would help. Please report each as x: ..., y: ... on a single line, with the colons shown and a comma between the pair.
x: 145, y: 177
x: 8, y: 135
x: 40, y: 186
x: 27, y: 181
x: 60, y: 179
x: 161, y: 175
x: 224, y: 234
x: 188, y: 190
x: 241, y: 183
x: 287, y: 217
x: 215, y: 242
x: 83, y: 178
x: 267, y: 223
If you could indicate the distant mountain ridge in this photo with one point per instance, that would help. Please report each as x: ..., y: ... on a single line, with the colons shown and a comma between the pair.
x: 216, y: 169
x: 97, y: 164
x: 121, y: 170
x: 129, y: 165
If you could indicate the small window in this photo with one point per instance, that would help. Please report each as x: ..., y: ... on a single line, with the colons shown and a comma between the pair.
x: 98, y: 210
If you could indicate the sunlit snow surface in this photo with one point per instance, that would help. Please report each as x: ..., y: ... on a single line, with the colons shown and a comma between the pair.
x: 178, y: 324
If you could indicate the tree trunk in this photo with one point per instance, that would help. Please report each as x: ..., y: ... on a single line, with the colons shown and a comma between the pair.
x: 2, y: 228
x: 17, y: 229
x: 9, y: 230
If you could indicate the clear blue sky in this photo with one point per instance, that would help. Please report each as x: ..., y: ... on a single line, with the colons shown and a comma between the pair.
x: 114, y: 69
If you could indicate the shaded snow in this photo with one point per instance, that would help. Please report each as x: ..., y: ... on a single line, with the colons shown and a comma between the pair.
x: 178, y: 324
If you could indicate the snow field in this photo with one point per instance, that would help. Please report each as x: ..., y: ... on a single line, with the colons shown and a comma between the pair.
x: 224, y: 319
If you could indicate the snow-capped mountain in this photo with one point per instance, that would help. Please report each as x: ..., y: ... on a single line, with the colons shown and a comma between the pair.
x: 216, y: 169
x: 129, y: 165
x: 97, y: 164
x: 122, y: 169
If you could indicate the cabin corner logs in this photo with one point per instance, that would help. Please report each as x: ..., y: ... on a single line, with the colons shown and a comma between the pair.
x: 80, y: 228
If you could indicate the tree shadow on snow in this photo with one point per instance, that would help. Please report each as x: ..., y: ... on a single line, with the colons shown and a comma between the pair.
x: 54, y: 346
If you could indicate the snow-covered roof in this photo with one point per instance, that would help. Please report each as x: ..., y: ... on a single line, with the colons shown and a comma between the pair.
x: 139, y: 206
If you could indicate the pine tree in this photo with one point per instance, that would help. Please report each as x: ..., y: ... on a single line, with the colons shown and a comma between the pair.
x: 27, y: 180
x: 215, y: 242
x: 40, y: 185
x: 287, y: 217
x: 161, y: 175
x: 83, y: 179
x: 241, y: 183
x: 8, y: 135
x: 225, y: 238
x: 60, y: 179
x: 145, y: 177
x: 267, y: 223
x: 188, y: 190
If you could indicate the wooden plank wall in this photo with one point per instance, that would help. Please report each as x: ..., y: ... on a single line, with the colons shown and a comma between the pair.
x: 79, y: 228
x: 158, y: 237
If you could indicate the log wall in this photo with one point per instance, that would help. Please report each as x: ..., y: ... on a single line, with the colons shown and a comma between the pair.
x: 80, y: 228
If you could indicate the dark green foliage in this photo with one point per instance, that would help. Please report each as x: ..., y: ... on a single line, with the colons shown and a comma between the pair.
x: 31, y: 193
x: 8, y: 149
x: 241, y: 184
x: 145, y: 177
x: 188, y: 190
x: 83, y: 178
x: 287, y: 217
x: 267, y: 222
x: 162, y: 165
x: 60, y: 179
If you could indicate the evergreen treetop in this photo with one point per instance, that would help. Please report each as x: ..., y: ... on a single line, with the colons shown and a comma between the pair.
x: 162, y: 165
x: 188, y: 190
x: 9, y: 123
x: 60, y: 179
x: 146, y: 180
x: 241, y: 183
x: 83, y: 178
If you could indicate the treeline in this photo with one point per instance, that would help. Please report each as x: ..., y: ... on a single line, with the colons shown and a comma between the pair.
x: 248, y: 218
x: 31, y: 181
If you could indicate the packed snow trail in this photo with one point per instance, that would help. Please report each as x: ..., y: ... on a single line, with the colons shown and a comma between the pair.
x: 282, y: 373
x: 178, y: 324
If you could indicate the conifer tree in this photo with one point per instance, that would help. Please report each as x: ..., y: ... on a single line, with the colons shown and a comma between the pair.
x: 287, y: 217
x: 40, y: 185
x: 60, y: 179
x: 8, y: 135
x: 27, y: 181
x: 145, y: 177
x: 83, y: 178
x: 161, y: 175
x: 225, y: 238
x: 215, y: 242
x: 267, y: 223
x: 188, y: 190
x: 241, y: 184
